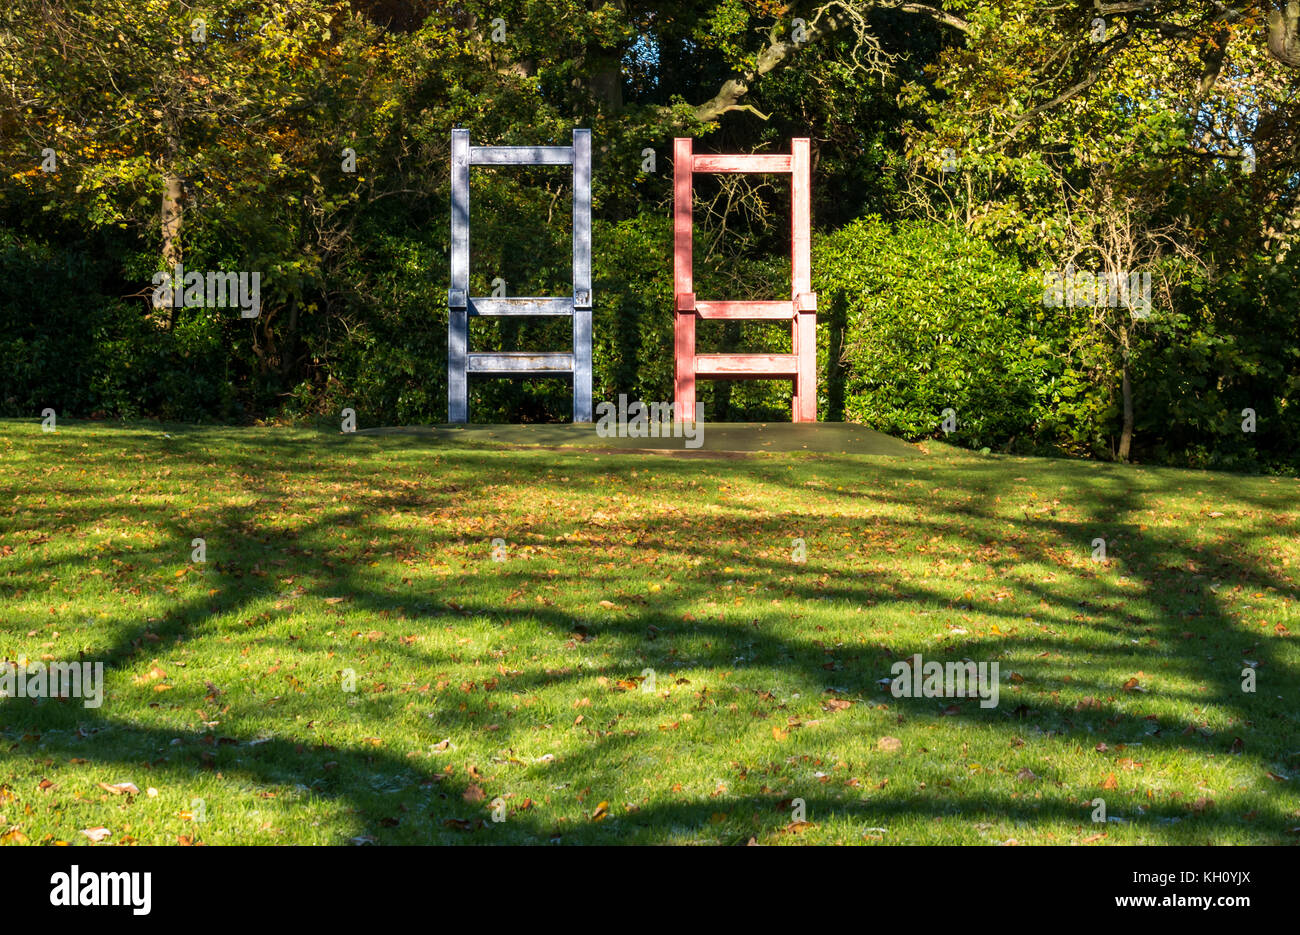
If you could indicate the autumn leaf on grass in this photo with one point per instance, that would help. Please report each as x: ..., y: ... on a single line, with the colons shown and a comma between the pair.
x: 778, y: 733
x: 120, y: 788
x: 608, y: 605
x: 153, y: 675
x: 836, y: 704
x: 889, y: 745
x: 13, y: 836
x: 96, y: 834
x: 473, y: 794
x: 1110, y: 782
x: 798, y: 827
x: 601, y: 812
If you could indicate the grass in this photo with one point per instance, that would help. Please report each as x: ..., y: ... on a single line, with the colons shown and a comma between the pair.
x: 330, y: 556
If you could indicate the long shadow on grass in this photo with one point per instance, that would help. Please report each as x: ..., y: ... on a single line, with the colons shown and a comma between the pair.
x: 426, y: 798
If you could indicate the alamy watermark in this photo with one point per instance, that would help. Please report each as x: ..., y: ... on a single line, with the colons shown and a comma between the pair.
x: 84, y: 680
x: 646, y: 420
x: 1085, y: 289
x: 208, y: 289
x: 77, y: 887
x: 915, y: 678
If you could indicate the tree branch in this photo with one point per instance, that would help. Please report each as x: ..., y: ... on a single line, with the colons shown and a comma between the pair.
x: 828, y: 18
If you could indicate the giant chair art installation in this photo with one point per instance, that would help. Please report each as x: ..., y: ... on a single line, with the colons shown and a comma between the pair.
x: 800, y: 309
x: 461, y: 305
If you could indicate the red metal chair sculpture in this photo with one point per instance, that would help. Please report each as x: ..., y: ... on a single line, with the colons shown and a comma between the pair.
x: 800, y: 309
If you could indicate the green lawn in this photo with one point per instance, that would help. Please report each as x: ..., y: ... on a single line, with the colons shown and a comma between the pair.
x: 520, y: 679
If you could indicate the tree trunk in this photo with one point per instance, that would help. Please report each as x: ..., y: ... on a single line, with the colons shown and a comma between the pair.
x: 1284, y: 35
x: 171, y: 217
x: 606, y: 82
x: 1126, y: 391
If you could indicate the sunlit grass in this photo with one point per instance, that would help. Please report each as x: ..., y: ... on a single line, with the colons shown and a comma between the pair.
x: 332, y: 557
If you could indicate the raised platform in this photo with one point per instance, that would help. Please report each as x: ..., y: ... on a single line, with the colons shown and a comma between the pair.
x: 821, y: 437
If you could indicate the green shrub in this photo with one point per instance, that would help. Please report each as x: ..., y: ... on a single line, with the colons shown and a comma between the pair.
x: 933, y: 319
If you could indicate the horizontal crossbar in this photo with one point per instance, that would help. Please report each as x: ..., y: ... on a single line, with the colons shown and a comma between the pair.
x: 521, y: 155
x: 741, y: 366
x: 751, y: 162
x: 519, y: 362
x: 485, y: 307
x: 745, y: 311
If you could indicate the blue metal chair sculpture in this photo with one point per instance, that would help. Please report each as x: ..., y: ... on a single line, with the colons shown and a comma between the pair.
x: 461, y: 305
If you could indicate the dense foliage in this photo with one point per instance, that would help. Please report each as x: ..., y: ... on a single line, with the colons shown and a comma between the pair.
x: 961, y: 151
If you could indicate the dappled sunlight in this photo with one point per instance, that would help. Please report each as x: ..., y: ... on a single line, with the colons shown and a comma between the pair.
x: 525, y: 678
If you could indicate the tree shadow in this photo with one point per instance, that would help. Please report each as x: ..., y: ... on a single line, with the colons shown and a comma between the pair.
x: 322, y: 488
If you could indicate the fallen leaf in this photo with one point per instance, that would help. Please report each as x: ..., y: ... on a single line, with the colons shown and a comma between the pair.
x: 889, y: 745
x: 120, y: 788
